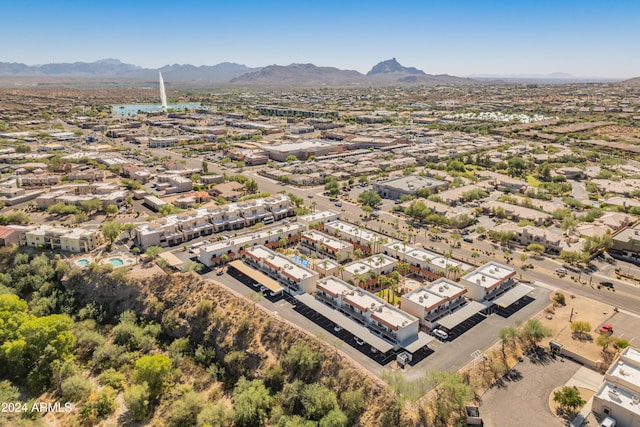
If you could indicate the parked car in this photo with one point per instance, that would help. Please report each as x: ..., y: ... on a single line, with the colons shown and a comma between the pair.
x: 358, y: 341
x: 607, y: 283
x: 608, y: 422
x: 561, y: 270
x: 337, y: 328
x: 606, y: 329
x: 220, y: 272
x: 374, y: 350
x: 440, y: 334
x: 338, y: 204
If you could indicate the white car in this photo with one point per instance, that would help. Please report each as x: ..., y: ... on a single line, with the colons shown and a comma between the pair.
x: 440, y: 334
x: 374, y: 350
x: 358, y: 341
x: 337, y: 328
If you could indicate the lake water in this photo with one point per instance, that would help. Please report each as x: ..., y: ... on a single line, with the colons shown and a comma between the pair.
x: 133, y: 109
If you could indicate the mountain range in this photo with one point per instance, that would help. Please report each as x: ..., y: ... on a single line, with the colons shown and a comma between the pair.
x: 385, y: 73
x: 388, y: 72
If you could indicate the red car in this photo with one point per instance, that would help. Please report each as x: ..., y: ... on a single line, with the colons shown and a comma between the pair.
x: 606, y: 329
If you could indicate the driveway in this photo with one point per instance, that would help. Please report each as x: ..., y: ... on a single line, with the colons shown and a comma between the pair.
x: 522, y: 398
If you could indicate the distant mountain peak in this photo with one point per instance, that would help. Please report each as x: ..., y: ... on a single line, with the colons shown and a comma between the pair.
x: 393, y: 66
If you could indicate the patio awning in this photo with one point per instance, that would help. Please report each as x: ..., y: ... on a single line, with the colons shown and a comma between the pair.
x: 454, y: 319
x: 259, y: 277
x: 416, y: 343
x: 171, y: 259
x: 512, y: 295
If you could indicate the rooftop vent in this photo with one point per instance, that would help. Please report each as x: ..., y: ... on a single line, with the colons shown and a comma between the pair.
x: 421, y: 299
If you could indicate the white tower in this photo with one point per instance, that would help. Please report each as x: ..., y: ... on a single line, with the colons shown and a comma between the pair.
x: 163, y: 95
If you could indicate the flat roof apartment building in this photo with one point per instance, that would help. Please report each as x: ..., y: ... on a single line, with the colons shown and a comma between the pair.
x: 488, y: 281
x: 434, y: 300
x: 367, y: 240
x: 283, y: 269
x: 326, y: 245
x: 619, y: 395
x: 426, y: 263
x: 212, y: 254
x: 177, y: 229
x: 75, y: 240
x: 371, y: 311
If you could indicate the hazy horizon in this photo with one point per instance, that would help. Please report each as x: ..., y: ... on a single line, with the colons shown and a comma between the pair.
x: 581, y: 38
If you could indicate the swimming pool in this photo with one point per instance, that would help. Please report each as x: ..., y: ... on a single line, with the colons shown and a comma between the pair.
x: 82, y: 262
x: 302, y: 262
x: 116, y: 262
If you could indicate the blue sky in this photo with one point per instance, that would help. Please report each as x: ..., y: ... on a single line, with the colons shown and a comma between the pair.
x: 580, y: 37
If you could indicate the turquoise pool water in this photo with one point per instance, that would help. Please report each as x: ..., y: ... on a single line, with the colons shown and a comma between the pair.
x: 116, y: 262
x: 82, y: 262
x: 302, y: 262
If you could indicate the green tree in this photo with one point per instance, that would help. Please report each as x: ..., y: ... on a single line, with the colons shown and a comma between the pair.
x: 536, y: 248
x: 112, y: 210
x: 580, y: 328
x: 137, y: 398
x: 303, y: 361
x: 251, y: 402
x: 451, y: 394
x: 185, y: 410
x: 534, y: 331
x: 251, y: 186
x: 153, y: 370
x: 317, y: 401
x: 508, y: 338
x: 91, y: 206
x: 290, y: 158
x: 568, y: 398
x: 153, y: 251
x: 605, y: 340
x: 111, y: 230
x: 369, y: 198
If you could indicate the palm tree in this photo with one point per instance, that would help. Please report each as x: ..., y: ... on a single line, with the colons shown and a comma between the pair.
x: 341, y: 271
x: 324, y: 264
x: 357, y: 278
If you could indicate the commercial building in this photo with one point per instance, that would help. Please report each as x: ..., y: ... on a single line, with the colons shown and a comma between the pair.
x: 174, y: 184
x: 434, y: 301
x: 302, y: 150
x: 60, y: 238
x: 619, y: 395
x: 408, y: 186
x: 488, y: 281
x: 214, y: 253
x: 326, y: 245
x: 294, y: 276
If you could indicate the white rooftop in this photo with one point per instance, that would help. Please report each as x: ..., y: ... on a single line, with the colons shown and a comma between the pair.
x: 355, y: 232
x: 318, y: 216
x: 608, y: 392
x: 376, y: 263
x: 487, y: 275
x: 328, y: 241
x: 285, y: 264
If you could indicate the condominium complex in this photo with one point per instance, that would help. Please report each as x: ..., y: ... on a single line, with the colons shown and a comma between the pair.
x: 283, y: 269
x: 434, y: 300
x: 213, y: 253
x: 488, y: 281
x: 326, y: 245
x: 178, y: 229
x: 375, y: 313
x: 60, y: 238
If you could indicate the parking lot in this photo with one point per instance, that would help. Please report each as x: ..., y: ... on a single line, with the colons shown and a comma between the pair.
x: 625, y: 326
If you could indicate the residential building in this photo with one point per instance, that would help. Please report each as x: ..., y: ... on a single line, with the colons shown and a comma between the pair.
x: 367, y: 309
x: 326, y: 245
x: 27, y: 181
x: 364, y: 272
x: 178, y: 229
x: 292, y: 275
x: 60, y: 238
x: 488, y: 281
x: 426, y: 263
x: 212, y: 254
x: 517, y: 213
x: 321, y: 217
x: 434, y: 300
x: 619, y: 395
x: 10, y: 234
x: 170, y: 183
x: 361, y: 238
